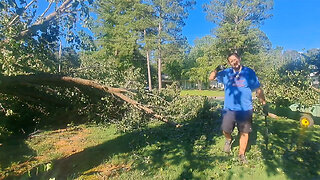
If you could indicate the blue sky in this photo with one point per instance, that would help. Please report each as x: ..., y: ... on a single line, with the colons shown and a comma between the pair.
x: 295, y: 24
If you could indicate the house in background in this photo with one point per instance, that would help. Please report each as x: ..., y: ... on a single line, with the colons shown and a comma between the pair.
x: 216, y: 85
x: 315, y: 79
x: 187, y: 84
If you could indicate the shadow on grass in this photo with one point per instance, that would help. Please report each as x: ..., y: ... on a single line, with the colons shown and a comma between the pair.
x: 187, y: 145
x: 13, y: 151
x: 292, y: 150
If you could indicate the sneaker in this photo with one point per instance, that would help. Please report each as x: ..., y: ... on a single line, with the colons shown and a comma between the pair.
x: 243, y: 159
x: 227, y: 146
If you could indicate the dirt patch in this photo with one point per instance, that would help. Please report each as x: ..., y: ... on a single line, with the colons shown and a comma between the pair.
x: 74, y: 142
x: 60, y: 143
x: 106, y: 171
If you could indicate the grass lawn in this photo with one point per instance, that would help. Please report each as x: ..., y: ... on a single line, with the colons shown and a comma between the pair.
x: 210, y: 93
x: 163, y: 152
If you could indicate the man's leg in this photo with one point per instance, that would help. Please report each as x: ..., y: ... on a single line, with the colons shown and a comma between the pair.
x: 244, y: 137
x: 244, y: 124
x: 228, y: 143
x: 227, y: 135
x: 227, y: 126
x: 228, y: 123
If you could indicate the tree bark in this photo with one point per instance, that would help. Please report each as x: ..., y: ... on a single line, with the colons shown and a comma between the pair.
x: 159, y: 58
x: 149, y: 71
x: 148, y: 63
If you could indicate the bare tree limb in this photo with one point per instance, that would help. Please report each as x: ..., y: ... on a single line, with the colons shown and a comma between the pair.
x: 45, y: 11
x: 17, y: 16
x: 45, y: 21
x: 315, y: 89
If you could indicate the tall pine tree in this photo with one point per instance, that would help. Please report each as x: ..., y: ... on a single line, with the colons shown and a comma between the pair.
x: 238, y: 24
x: 170, y: 16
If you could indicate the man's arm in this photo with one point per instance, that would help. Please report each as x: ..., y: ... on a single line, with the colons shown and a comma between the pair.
x: 213, y: 75
x: 265, y: 107
x: 260, y: 96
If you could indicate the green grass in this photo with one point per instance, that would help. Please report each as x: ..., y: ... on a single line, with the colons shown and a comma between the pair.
x: 163, y: 152
x: 210, y: 93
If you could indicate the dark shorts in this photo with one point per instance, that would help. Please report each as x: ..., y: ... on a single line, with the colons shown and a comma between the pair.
x: 243, y: 120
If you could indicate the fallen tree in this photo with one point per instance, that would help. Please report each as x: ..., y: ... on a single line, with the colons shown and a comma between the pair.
x: 7, y: 83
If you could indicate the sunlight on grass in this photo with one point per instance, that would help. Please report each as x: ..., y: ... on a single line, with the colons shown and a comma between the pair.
x: 209, y: 93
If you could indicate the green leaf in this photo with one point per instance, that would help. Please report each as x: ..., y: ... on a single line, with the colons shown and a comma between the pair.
x: 75, y: 4
x: 1, y: 6
x: 19, y: 11
x: 12, y: 3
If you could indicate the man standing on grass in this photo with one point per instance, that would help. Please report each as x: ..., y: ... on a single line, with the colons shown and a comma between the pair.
x: 239, y: 82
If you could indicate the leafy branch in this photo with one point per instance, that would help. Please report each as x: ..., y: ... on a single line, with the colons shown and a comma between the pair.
x: 57, y: 80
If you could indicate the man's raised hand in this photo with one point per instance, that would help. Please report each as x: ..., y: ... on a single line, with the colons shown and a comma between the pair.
x: 220, y: 68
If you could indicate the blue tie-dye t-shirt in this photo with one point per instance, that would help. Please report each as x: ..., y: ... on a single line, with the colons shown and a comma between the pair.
x: 238, y: 87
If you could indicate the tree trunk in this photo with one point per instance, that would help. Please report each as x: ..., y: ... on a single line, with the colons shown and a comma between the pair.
x: 59, y: 56
x: 148, y: 64
x: 199, y: 85
x: 159, y: 58
x: 149, y: 71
